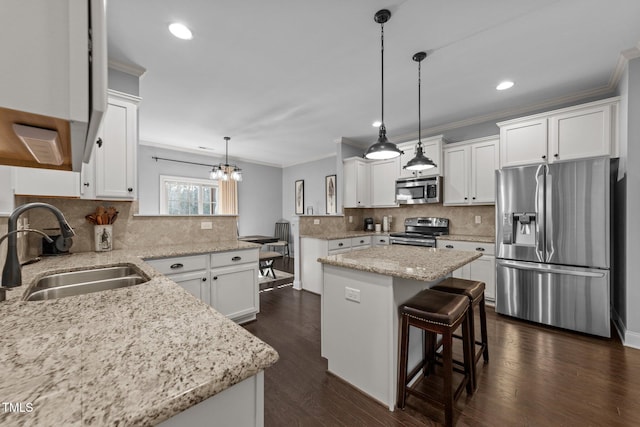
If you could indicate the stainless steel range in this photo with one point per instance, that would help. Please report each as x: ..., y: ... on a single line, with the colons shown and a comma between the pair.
x: 421, y: 231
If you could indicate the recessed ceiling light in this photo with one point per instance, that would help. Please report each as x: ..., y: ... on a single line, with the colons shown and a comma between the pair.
x: 180, y: 31
x: 505, y: 85
x: 376, y: 124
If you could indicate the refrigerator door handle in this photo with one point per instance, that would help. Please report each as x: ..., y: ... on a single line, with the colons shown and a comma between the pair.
x: 540, y: 220
x: 549, y: 269
x: 548, y: 216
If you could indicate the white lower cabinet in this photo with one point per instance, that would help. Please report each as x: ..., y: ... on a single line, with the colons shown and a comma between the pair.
x: 240, y: 405
x: 234, y: 291
x: 196, y: 283
x: 311, y: 249
x: 482, y: 269
x: 227, y: 281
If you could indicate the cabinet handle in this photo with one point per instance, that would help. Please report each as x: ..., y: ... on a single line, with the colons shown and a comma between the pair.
x: 215, y: 277
x: 176, y: 265
x: 544, y: 157
x: 236, y: 258
x: 361, y: 241
x: 86, y: 184
x: 555, y: 155
x: 466, y: 198
x: 340, y: 244
x: 449, y: 246
x: 382, y: 241
x: 480, y: 249
x: 473, y: 198
x: 99, y: 142
x: 130, y: 190
x: 204, y: 279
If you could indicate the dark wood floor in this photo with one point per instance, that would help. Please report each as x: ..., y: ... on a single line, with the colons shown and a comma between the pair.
x: 536, y: 376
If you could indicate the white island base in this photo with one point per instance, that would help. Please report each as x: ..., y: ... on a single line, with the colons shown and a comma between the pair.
x: 360, y: 338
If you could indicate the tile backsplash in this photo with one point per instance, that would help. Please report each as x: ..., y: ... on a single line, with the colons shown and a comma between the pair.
x: 461, y: 219
x: 130, y: 231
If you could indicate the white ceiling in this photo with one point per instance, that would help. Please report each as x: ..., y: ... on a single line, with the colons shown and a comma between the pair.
x: 285, y: 79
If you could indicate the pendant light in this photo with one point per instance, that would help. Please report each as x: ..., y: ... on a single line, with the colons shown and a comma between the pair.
x: 225, y: 171
x: 383, y: 148
x: 420, y: 162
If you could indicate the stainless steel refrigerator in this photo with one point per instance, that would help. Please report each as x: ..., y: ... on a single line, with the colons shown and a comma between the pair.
x: 553, y: 244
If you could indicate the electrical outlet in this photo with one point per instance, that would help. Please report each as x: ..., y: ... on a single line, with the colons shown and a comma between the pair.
x: 350, y: 219
x: 316, y: 221
x: 478, y: 219
x: 206, y: 225
x: 352, y: 294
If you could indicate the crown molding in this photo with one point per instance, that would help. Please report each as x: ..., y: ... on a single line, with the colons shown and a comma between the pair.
x: 134, y: 70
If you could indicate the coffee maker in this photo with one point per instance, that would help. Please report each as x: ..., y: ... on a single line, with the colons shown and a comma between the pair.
x: 368, y: 224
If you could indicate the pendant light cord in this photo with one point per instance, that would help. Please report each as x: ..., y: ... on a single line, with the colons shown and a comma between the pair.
x: 226, y: 151
x: 382, y: 71
x: 419, y: 103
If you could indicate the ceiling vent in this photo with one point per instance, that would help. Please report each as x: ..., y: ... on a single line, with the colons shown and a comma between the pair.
x: 43, y: 144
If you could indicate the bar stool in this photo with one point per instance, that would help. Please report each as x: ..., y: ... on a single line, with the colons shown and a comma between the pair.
x: 441, y: 313
x: 474, y: 290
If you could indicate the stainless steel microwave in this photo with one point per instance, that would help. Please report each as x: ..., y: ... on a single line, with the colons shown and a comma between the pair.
x: 414, y: 191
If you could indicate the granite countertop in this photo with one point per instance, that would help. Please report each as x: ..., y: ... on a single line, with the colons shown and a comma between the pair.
x: 407, y: 262
x: 467, y: 238
x: 332, y: 235
x: 131, y: 356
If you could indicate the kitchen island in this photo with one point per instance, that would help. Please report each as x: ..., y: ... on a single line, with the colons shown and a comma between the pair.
x: 361, y: 293
x: 133, y: 356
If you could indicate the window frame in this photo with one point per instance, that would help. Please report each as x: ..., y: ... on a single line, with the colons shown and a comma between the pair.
x: 199, y: 182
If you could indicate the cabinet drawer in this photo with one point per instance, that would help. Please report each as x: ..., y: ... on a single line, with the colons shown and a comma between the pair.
x: 339, y: 244
x: 179, y: 264
x: 221, y: 259
x: 485, y: 248
x: 381, y: 240
x: 361, y: 241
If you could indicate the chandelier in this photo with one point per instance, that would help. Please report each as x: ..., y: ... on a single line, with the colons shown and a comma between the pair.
x: 225, y: 171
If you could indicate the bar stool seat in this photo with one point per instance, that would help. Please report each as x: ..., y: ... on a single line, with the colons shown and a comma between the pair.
x: 474, y: 290
x: 435, y: 312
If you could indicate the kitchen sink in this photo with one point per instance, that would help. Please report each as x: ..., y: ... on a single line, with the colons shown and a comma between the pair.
x: 82, y: 282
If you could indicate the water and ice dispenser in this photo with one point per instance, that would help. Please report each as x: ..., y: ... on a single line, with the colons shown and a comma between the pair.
x: 519, y: 228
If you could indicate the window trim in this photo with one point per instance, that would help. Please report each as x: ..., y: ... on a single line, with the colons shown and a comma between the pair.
x: 188, y: 180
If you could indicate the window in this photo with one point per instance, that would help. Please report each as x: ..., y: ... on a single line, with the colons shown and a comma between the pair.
x: 188, y: 196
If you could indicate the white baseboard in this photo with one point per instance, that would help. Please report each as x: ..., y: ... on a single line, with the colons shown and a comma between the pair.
x: 297, y: 284
x: 629, y: 338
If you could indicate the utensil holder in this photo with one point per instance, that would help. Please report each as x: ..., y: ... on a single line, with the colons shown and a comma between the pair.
x: 103, y: 237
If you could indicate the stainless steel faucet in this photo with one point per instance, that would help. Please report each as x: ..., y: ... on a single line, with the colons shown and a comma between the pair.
x: 12, y: 275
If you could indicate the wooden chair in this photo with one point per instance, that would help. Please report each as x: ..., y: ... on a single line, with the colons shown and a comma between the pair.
x: 282, y: 234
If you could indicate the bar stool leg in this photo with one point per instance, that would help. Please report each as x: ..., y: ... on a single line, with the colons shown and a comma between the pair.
x: 404, y: 356
x: 483, y: 328
x: 447, y: 365
x: 468, y: 350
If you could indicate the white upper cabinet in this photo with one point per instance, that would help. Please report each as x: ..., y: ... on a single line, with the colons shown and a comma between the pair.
x: 383, y: 181
x: 456, y: 180
x: 357, y: 187
x: 586, y: 132
x: 583, y: 131
x: 111, y: 173
x: 523, y: 143
x: 432, y: 148
x: 470, y: 171
x: 370, y: 184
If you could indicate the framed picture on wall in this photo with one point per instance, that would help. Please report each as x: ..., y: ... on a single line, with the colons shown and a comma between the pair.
x: 330, y: 194
x: 299, y: 197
